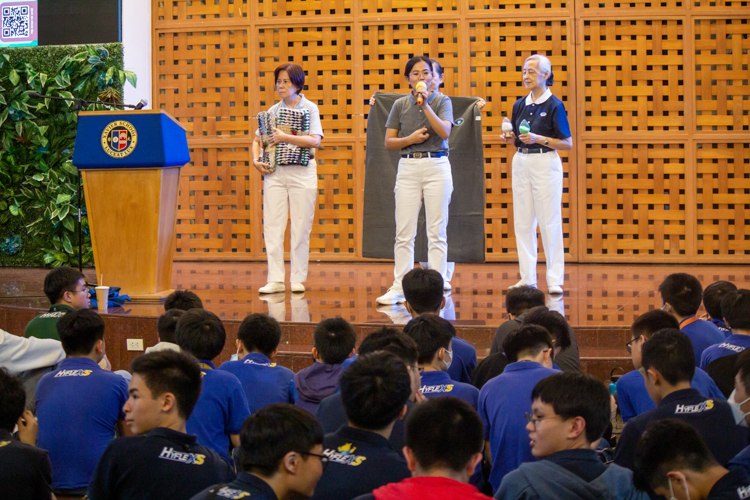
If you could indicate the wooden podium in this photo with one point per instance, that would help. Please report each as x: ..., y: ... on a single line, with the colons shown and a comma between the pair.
x: 130, y: 163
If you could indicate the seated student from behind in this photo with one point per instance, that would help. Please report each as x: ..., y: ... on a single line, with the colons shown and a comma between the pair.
x: 735, y: 307
x: 263, y: 380
x: 66, y: 290
x: 739, y: 400
x: 712, y: 296
x: 681, y: 296
x: 518, y: 301
x: 375, y: 389
x: 673, y: 461
x: 423, y: 291
x: 334, y: 343
x: 570, y: 411
x: 25, y: 471
x: 504, y: 400
x: 162, y: 461
x: 331, y: 412
x: 280, y: 457
x: 183, y: 300
x: 443, y: 449
x: 79, y: 405
x: 632, y: 395
x: 434, y: 344
x: 222, y: 406
x: 166, y: 327
x: 667, y: 360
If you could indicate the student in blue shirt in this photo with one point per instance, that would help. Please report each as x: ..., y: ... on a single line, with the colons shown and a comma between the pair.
x: 423, y: 291
x: 504, y: 400
x: 280, y: 457
x: 735, y: 307
x: 739, y: 400
x: 222, y: 406
x: 681, y: 296
x: 263, y: 380
x: 632, y: 396
x: 165, y: 329
x: 79, y: 405
x: 712, y: 296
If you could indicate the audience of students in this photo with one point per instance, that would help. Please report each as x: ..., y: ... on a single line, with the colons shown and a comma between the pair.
x: 165, y: 328
x: 66, y: 290
x: 735, y: 307
x: 518, y: 301
x: 739, y: 400
x: 712, y: 296
x: 183, y: 300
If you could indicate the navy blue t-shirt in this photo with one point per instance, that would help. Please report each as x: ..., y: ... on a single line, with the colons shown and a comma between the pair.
x: 264, y: 382
x: 742, y: 459
x: 436, y: 384
x: 239, y: 488
x: 464, y: 361
x: 703, y: 334
x: 77, y: 407
x: 221, y: 410
x: 733, y: 486
x: 732, y: 345
x: 546, y: 117
x: 25, y: 471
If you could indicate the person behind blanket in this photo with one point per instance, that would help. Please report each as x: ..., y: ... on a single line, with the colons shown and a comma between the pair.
x: 566, y: 346
x: 423, y: 291
x: 518, y: 301
x: 291, y: 189
x: 538, y: 173
x: 264, y: 381
x: 505, y: 399
x: 443, y: 448
x: 183, y: 300
x: 334, y: 343
x: 25, y: 470
x: 66, y: 290
x: 419, y: 125
x: 222, y: 407
x: 166, y: 327
x: 739, y: 400
x: 79, y: 405
x: 681, y: 296
x: 712, y: 296
x: 673, y: 461
x: 374, y: 389
x: 162, y: 461
x: 570, y: 411
x: 434, y: 343
x: 735, y: 307
x: 668, y: 364
x: 632, y: 396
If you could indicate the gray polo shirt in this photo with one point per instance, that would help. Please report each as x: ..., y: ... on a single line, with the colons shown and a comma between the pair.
x: 407, y: 116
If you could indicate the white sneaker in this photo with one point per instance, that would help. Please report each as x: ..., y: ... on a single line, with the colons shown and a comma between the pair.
x: 446, y: 286
x: 273, y: 298
x: 272, y: 287
x: 298, y: 287
x: 393, y: 296
x: 555, y: 290
x: 520, y: 284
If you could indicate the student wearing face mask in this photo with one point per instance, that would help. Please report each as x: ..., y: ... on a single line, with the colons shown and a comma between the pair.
x: 739, y: 400
x: 673, y: 461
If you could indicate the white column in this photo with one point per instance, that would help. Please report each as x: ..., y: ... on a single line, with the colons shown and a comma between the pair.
x: 136, y: 39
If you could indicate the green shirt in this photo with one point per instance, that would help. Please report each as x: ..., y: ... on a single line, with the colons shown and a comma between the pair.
x: 44, y: 326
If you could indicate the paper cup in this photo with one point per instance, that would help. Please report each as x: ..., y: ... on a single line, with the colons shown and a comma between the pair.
x: 102, y: 297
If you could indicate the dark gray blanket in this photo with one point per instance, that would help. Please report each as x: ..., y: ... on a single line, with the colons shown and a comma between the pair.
x: 466, y: 214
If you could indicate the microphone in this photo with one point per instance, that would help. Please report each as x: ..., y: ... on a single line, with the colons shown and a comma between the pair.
x: 421, y: 86
x: 140, y: 104
x: 35, y: 94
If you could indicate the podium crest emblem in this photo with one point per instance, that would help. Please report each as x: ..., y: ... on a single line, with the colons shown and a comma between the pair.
x: 119, y: 139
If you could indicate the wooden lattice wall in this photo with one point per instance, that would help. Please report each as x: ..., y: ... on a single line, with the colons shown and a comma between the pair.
x: 657, y: 93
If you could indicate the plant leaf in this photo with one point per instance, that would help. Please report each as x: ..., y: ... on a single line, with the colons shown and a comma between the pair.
x: 14, y: 78
x: 69, y: 223
x: 14, y: 210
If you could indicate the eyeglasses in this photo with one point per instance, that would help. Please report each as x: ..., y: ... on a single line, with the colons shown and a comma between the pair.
x: 629, y: 345
x: 535, y: 420
x: 323, y: 458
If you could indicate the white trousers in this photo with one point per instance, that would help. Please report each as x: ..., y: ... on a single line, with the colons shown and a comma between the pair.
x: 289, y: 189
x: 537, y: 197
x: 429, y: 179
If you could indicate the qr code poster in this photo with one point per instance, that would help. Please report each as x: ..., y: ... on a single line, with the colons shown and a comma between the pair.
x: 19, y: 23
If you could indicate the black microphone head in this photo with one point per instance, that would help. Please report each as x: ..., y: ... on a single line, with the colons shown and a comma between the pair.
x: 141, y: 104
x: 35, y: 94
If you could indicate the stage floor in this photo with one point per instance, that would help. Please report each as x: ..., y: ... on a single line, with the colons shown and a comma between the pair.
x: 597, y: 295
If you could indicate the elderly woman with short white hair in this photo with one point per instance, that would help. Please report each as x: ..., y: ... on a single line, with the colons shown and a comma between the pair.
x: 539, y: 128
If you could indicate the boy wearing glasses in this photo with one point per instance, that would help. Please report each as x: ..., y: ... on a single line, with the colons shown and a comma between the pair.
x: 280, y: 456
x: 66, y: 290
x: 569, y: 412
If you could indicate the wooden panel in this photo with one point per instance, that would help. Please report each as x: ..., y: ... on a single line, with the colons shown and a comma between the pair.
x: 407, y: 6
x: 647, y: 7
x: 200, y: 10
x: 300, y: 8
x: 525, y: 6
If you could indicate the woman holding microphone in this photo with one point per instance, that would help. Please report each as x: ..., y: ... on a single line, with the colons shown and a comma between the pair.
x: 538, y: 128
x: 419, y: 126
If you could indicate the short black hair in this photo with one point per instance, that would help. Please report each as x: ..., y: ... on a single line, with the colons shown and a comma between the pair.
x: 735, y: 306
x: 171, y: 372
x: 335, y: 340
x: 712, y: 296
x: 273, y: 431
x: 423, y: 290
x: 523, y: 298
x: 444, y: 432
x: 200, y: 333
x: 651, y: 322
x: 260, y: 332
x: 577, y: 394
x: 430, y: 334
x: 667, y: 445
x: 670, y: 352
x: 182, y: 299
x: 392, y: 341
x: 413, y: 61
x: 374, y: 390
x: 683, y: 292
x: 527, y: 340
x: 12, y: 400
x: 168, y: 324
x: 60, y: 280
x: 742, y: 366
x: 79, y: 331
x: 554, y: 322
